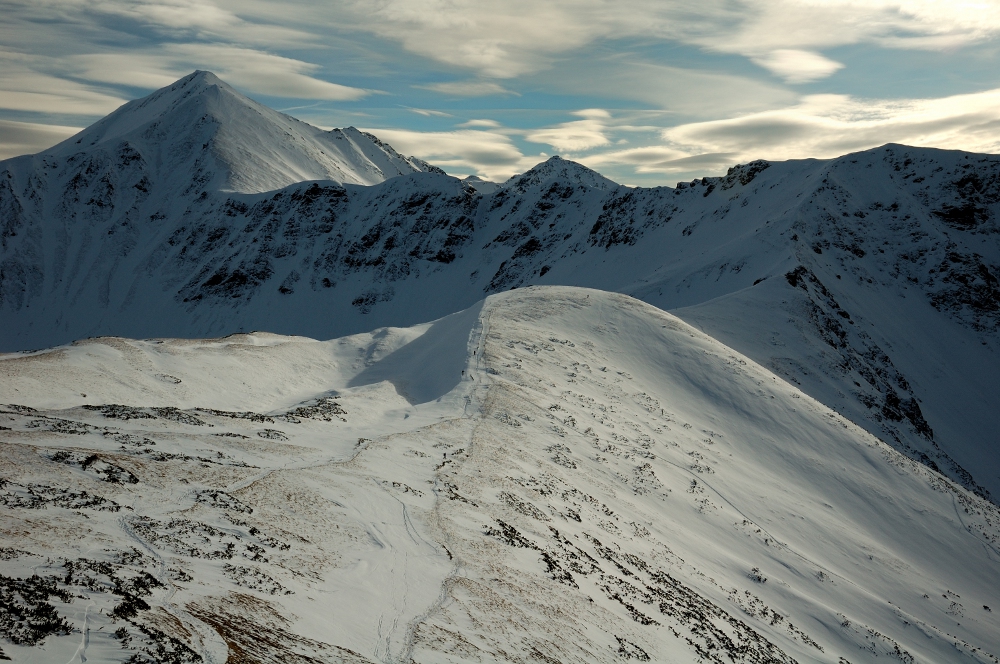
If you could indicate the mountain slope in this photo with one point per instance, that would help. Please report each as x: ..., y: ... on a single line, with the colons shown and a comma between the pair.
x: 871, y: 280
x: 236, y: 143
x: 557, y: 474
x: 73, y: 216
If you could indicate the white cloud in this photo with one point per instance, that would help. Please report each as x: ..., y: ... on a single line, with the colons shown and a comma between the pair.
x: 576, y: 135
x: 247, y: 69
x: 676, y: 90
x: 489, y: 124
x: 656, y: 159
x: 66, y: 57
x: 824, y: 126
x: 428, y: 112
x: 74, y: 56
x: 757, y: 27
x: 24, y: 88
x: 468, y: 88
x: 175, y: 14
x: 516, y: 37
x: 18, y: 138
x: 498, y: 40
x: 797, y: 66
x: 820, y: 126
x: 203, y: 19
x: 489, y: 154
x: 651, y: 159
x: 265, y: 73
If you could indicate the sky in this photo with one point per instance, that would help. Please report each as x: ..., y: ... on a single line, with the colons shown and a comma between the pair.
x: 648, y: 92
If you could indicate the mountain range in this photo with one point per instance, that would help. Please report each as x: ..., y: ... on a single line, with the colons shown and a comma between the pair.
x: 831, y: 345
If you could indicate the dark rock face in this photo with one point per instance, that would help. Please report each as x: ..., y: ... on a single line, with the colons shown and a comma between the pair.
x: 421, y: 221
x: 225, y: 247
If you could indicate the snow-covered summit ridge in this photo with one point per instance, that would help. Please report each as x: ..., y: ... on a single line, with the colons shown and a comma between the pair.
x: 621, y: 485
x: 562, y: 170
x: 481, y: 185
x: 233, y: 142
x: 139, y: 113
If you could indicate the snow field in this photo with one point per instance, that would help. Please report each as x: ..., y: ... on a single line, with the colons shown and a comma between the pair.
x: 602, y: 483
x: 869, y: 281
x: 648, y: 482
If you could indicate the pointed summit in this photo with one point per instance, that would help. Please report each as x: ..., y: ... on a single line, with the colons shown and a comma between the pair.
x: 557, y: 168
x: 141, y: 112
x: 201, y: 124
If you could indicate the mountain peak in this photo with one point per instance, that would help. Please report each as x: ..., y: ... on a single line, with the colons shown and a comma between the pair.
x: 201, y: 124
x: 204, y: 76
x: 199, y: 78
x: 557, y: 168
x: 481, y: 185
x: 152, y: 108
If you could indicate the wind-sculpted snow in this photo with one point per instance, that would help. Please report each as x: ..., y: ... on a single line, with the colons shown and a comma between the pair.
x: 871, y: 280
x: 602, y: 483
x: 428, y: 367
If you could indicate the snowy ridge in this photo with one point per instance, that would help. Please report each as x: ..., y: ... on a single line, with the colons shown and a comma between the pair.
x: 558, y: 169
x: 250, y: 148
x: 572, y: 475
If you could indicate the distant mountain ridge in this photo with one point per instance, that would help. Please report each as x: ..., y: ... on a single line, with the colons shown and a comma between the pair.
x: 871, y: 281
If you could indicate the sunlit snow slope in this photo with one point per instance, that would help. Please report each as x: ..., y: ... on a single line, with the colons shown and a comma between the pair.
x: 202, y: 135
x: 557, y: 474
x: 871, y: 281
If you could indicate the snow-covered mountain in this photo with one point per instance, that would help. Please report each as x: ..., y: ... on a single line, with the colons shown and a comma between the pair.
x: 870, y: 281
x: 199, y: 134
x: 556, y: 474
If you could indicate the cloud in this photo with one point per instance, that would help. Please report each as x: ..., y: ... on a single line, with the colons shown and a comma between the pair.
x: 678, y: 90
x: 497, y: 40
x: 798, y: 66
x: 202, y: 19
x: 516, y: 37
x: 503, y: 40
x: 674, y: 72
x: 65, y: 57
x: 468, y: 88
x: 819, y: 126
x: 247, y: 69
x: 427, y: 112
x: 266, y: 73
x: 658, y: 159
x: 18, y: 138
x: 489, y: 154
x: 175, y: 14
x: 577, y: 135
x: 24, y: 88
x: 824, y: 126
x: 491, y: 124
